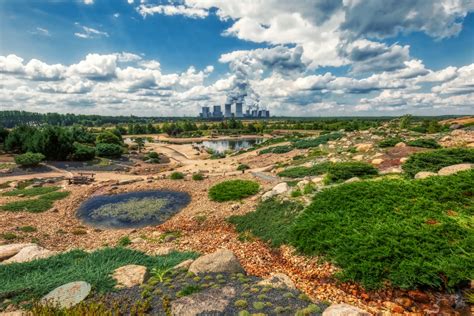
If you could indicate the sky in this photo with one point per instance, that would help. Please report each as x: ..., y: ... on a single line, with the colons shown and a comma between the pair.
x: 295, y: 58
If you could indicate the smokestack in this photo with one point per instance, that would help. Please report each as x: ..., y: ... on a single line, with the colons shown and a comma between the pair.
x: 228, y: 110
x: 238, y: 109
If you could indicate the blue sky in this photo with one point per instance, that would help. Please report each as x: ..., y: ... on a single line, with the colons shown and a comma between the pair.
x: 148, y: 57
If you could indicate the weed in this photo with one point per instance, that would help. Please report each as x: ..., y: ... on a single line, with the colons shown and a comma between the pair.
x: 188, y: 290
x: 28, y: 229
x: 233, y: 190
x: 198, y: 177
x: 124, y: 241
x: 8, y: 236
x: 176, y: 175
x: 241, y: 303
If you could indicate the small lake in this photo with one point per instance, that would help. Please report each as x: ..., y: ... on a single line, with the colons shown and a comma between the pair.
x: 132, y: 209
x: 232, y: 144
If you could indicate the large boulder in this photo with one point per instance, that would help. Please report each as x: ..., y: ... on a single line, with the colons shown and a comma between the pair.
x: 184, y: 265
x: 68, y: 295
x: 8, y: 251
x: 344, y: 310
x: 278, y: 280
x: 446, y: 171
x: 210, y: 302
x: 129, y: 275
x: 222, y: 260
x: 364, y: 147
x: 424, y: 174
x: 280, y: 188
x: 30, y: 253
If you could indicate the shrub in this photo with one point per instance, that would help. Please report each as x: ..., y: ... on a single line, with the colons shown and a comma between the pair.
x: 83, y: 152
x: 198, y: 177
x: 43, y: 275
x: 29, y: 159
x: 176, y: 176
x: 271, y: 220
x: 341, y: 171
x: 296, y: 193
x: 314, y: 142
x: 424, y: 143
x: 108, y: 138
x: 233, y: 190
x: 390, y: 142
x: 410, y: 233
x: 32, y: 191
x: 276, y: 150
x: 300, y: 172
x: 108, y: 150
x: 32, y: 206
x: 243, y: 167
x: 437, y: 159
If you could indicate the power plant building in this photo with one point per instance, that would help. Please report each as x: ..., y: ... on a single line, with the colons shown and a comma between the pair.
x: 252, y: 112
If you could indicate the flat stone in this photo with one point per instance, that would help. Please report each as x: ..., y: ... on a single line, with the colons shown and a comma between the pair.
x: 353, y: 179
x: 278, y: 280
x: 425, y: 174
x: 8, y: 251
x: 184, y: 265
x: 344, y: 310
x: 377, y: 161
x: 129, y: 276
x: 222, y: 260
x: 210, y: 302
x: 68, y: 295
x: 446, y: 171
x: 30, y: 253
x: 281, y: 188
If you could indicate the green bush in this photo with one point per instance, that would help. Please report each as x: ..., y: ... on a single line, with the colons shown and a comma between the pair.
x: 176, y: 176
x: 271, y: 221
x: 83, y: 152
x: 276, y: 150
x: 198, y: 177
x: 29, y: 159
x: 242, y: 167
x: 341, y: 171
x: 233, y: 190
x: 410, y: 233
x: 390, y: 142
x: 108, y: 138
x: 437, y: 159
x: 314, y: 142
x: 32, y: 280
x: 301, y: 172
x: 424, y: 143
x: 108, y: 150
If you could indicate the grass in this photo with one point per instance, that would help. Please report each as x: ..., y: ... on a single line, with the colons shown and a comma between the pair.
x: 32, y: 191
x: 412, y: 233
x: 390, y: 142
x: 27, y: 229
x: 40, y: 204
x: 8, y: 236
x: 198, y: 177
x: 271, y: 221
x: 437, y: 159
x: 424, y: 143
x: 32, y: 280
x: 301, y: 172
x: 233, y: 190
x: 124, y: 241
x: 315, y: 142
x: 276, y: 150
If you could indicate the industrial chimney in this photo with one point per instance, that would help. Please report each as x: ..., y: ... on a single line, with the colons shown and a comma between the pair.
x: 238, y: 109
x: 228, y: 110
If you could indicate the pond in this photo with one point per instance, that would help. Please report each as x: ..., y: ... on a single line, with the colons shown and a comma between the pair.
x: 232, y: 144
x: 132, y: 209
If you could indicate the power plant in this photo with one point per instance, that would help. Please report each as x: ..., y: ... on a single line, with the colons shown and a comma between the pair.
x: 253, y: 111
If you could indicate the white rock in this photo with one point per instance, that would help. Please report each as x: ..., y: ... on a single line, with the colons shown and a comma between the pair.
x: 184, y: 265
x: 424, y: 174
x: 267, y: 195
x: 7, y: 251
x: 403, y: 159
x: 280, y: 188
x: 129, y: 275
x: 344, y: 310
x: 278, y: 280
x: 222, y: 260
x: 68, y: 295
x: 364, y: 147
x: 30, y: 253
x: 377, y: 161
x: 317, y: 180
x: 353, y: 179
x: 446, y: 171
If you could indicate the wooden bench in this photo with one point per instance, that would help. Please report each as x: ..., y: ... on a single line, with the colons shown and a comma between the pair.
x: 82, y: 178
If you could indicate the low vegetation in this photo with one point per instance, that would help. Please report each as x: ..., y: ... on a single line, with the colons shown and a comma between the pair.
x: 29, y: 159
x: 437, y: 159
x: 42, y: 203
x: 31, y: 191
x: 276, y: 150
x: 301, y: 172
x: 389, y: 230
x: 198, y: 177
x: 177, y: 176
x: 315, y: 142
x: 390, y: 142
x: 233, y: 190
x: 424, y: 143
x: 32, y: 280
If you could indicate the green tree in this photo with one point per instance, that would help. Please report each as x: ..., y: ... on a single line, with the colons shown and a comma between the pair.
x: 108, y: 138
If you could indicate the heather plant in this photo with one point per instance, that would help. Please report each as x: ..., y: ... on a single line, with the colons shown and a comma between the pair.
x: 424, y: 143
x: 233, y: 190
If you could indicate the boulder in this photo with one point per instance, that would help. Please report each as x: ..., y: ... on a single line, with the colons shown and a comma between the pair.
x: 129, y: 275
x: 30, y: 253
x: 280, y: 188
x: 344, y: 310
x: 68, y: 295
x: 424, y: 174
x: 400, y: 145
x: 222, y: 260
x: 358, y: 157
x: 353, y: 179
x: 317, y: 180
x: 267, y: 195
x: 184, y: 265
x: 446, y: 171
x: 8, y: 251
x: 278, y: 280
x: 364, y: 147
x: 210, y: 302
x: 377, y: 161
